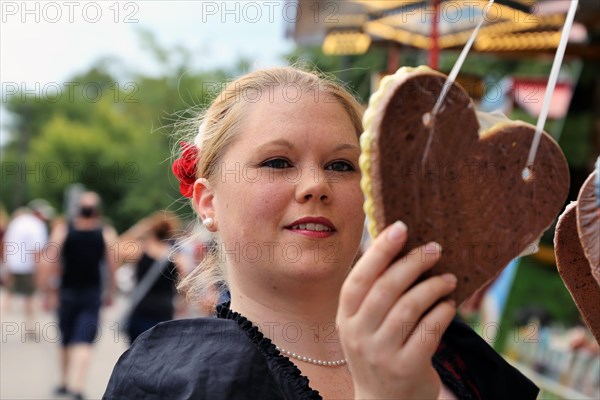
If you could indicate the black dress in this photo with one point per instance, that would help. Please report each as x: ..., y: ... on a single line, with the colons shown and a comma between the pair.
x: 228, y: 358
x: 157, y: 304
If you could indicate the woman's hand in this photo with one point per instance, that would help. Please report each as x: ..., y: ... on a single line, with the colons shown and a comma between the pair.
x: 389, y: 327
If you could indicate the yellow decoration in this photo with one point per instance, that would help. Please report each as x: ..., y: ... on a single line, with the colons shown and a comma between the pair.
x: 346, y: 43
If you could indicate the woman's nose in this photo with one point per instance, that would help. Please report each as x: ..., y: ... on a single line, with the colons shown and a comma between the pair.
x: 313, y: 184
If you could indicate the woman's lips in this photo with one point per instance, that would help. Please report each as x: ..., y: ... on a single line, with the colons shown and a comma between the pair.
x: 314, y: 227
x: 311, y: 233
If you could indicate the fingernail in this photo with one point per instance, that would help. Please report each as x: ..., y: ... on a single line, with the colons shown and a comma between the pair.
x: 396, y: 232
x: 450, y: 278
x: 433, y: 246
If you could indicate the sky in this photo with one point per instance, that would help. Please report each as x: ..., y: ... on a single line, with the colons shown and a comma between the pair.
x: 43, y: 43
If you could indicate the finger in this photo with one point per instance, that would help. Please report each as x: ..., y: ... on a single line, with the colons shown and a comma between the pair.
x: 406, y: 314
x: 395, y: 281
x: 370, y: 266
x: 425, y: 340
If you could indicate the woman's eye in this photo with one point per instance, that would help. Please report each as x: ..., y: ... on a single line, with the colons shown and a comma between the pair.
x: 277, y: 163
x: 340, y: 166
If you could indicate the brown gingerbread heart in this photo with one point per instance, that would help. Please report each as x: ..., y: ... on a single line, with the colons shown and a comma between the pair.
x: 468, y: 193
x: 588, y: 224
x: 574, y: 269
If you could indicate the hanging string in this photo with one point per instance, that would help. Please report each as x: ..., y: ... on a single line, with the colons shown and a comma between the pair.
x: 597, y: 183
x: 429, y: 119
x: 560, y: 52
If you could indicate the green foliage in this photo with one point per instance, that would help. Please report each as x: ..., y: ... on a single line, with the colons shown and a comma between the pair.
x: 539, y: 285
x: 112, y: 135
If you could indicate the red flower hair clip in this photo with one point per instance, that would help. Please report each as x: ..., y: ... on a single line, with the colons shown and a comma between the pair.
x: 185, y: 168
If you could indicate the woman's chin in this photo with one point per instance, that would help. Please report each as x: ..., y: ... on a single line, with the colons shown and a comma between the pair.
x: 308, y: 271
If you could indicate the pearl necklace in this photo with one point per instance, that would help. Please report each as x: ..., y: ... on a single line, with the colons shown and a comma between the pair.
x: 336, y: 363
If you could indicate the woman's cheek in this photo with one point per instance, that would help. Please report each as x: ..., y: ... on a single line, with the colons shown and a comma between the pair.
x: 271, y: 198
x: 354, y: 198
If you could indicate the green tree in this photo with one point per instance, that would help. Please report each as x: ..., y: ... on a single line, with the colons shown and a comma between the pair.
x: 112, y: 134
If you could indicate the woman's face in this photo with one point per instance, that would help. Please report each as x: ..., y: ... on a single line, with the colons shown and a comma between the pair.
x: 286, y: 196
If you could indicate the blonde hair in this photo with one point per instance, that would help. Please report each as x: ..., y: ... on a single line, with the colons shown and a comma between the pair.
x: 219, y: 126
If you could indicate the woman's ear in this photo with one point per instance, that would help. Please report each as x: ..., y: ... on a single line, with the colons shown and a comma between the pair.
x: 202, y: 202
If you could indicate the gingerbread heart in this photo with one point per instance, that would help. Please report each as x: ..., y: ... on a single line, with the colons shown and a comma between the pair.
x: 467, y: 192
x: 574, y: 269
x: 588, y: 224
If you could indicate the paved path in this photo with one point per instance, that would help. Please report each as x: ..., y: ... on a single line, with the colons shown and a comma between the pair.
x: 29, y: 364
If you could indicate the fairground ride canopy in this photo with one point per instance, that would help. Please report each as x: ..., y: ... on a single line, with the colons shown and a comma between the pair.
x: 352, y: 26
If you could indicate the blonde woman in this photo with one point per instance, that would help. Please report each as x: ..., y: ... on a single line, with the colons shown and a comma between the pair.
x: 273, y: 174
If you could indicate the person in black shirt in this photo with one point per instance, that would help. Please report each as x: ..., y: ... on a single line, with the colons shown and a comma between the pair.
x: 81, y: 268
